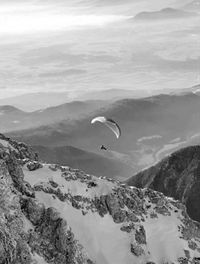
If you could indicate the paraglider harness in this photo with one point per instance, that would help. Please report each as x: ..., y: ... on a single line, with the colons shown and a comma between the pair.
x: 103, y: 147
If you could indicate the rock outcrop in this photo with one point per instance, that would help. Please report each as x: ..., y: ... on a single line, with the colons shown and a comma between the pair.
x: 54, y: 214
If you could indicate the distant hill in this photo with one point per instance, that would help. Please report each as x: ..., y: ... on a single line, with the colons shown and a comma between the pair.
x: 166, y: 13
x: 177, y: 176
x: 34, y: 101
x: 13, y: 119
x: 112, y: 94
x: 87, y: 161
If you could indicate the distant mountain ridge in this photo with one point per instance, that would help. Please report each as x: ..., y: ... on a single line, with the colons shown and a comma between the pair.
x: 13, y: 119
x: 166, y: 13
x: 34, y: 101
x: 160, y: 119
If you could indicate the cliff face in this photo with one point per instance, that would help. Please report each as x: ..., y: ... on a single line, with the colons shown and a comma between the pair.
x: 54, y: 214
x: 177, y: 176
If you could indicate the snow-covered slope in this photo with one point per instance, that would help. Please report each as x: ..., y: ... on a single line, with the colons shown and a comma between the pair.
x: 56, y: 214
x: 116, y: 224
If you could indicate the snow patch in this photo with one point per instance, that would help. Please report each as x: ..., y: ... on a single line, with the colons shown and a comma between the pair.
x: 163, y: 239
x: 75, y: 187
x: 100, y: 236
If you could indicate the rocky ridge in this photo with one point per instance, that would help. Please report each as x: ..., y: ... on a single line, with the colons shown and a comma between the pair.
x: 177, y: 176
x: 54, y: 214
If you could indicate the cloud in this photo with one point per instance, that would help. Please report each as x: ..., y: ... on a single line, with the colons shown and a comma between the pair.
x: 155, y: 62
x: 143, y: 139
x: 36, y: 57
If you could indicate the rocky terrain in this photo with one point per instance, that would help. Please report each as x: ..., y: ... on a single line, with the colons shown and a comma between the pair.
x: 177, y: 176
x: 55, y: 214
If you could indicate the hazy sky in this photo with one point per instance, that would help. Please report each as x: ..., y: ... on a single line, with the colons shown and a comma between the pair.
x: 81, y: 45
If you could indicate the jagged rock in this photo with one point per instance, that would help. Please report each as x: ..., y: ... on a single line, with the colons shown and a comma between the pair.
x: 175, y: 176
x: 115, y: 209
x: 137, y: 250
x: 196, y: 261
x: 33, y: 210
x: 140, y: 235
x: 128, y: 228
x: 101, y: 206
x: 33, y: 165
x: 19, y: 149
x: 192, y: 244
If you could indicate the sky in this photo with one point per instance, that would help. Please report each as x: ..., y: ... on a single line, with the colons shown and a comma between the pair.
x: 86, y: 45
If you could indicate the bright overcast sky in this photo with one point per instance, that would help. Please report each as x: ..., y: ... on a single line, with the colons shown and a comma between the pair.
x: 21, y: 18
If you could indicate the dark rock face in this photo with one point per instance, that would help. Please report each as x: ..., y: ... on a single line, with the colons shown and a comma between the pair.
x: 136, y: 250
x: 166, y: 13
x: 33, y: 210
x: 53, y: 239
x: 140, y: 235
x: 21, y: 150
x: 33, y: 165
x: 177, y: 176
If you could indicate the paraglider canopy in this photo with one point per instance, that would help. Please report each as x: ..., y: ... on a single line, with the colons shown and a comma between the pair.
x: 109, y: 123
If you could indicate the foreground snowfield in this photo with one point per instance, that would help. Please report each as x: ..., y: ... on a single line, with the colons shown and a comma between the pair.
x: 101, y: 237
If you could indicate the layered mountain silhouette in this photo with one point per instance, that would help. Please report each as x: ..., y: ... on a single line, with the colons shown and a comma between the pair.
x: 34, y: 101
x: 166, y: 13
x: 177, y: 176
x: 90, y: 162
x: 11, y: 118
x: 163, y: 115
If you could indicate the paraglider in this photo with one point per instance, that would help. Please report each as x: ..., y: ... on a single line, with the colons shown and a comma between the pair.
x: 103, y: 147
x: 109, y: 123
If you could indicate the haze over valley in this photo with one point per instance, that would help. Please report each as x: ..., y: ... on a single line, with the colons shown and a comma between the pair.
x: 133, y: 61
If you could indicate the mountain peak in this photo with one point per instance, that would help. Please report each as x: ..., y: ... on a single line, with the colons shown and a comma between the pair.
x: 165, y: 13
